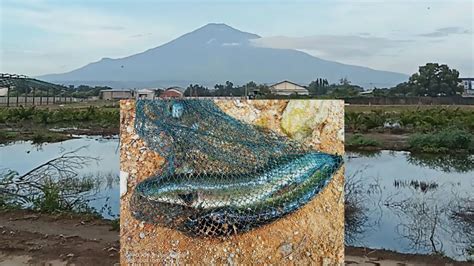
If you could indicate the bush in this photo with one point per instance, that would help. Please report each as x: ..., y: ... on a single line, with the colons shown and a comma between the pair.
x: 442, y: 141
x: 358, y: 140
x: 69, y: 116
x: 419, y: 120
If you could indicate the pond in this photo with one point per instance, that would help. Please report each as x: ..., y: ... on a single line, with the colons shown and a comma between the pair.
x: 22, y: 156
x: 410, y: 203
x: 397, y: 200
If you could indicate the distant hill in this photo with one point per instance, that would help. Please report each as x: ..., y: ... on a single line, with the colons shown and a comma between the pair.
x: 214, y: 54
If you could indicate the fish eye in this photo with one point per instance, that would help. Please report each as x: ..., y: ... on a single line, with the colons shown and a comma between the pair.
x: 188, y: 198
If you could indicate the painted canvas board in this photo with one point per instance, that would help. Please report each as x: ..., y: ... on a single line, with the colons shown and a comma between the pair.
x: 232, y: 181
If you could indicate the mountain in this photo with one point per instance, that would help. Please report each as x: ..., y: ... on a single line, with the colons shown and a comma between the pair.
x: 214, y: 54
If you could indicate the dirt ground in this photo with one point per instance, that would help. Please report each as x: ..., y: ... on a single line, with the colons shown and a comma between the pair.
x: 28, y: 238
x: 39, y: 239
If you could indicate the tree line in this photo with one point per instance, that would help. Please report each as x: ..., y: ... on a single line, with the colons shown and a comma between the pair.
x: 81, y: 91
x: 432, y: 79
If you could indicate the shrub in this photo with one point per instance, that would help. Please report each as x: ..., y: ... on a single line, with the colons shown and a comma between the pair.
x: 358, y: 140
x: 92, y: 115
x: 442, y: 141
x: 419, y: 120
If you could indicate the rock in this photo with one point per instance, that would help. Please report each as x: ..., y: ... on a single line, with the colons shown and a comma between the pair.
x: 286, y: 249
x: 317, y: 123
x: 301, y: 117
x: 123, y: 183
x: 173, y: 254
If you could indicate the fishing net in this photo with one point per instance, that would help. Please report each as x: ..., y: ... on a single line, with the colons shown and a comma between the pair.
x: 222, y: 176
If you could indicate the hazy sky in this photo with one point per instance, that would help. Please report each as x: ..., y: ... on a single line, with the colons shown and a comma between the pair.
x: 43, y: 37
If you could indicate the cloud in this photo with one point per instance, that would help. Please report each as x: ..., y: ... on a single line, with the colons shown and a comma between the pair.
x: 140, y: 35
x: 339, y: 46
x: 65, y: 37
x: 112, y: 27
x: 443, y: 32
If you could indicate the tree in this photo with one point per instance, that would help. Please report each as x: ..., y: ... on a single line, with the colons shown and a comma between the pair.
x: 342, y: 91
x: 229, y: 85
x: 317, y: 87
x: 380, y: 92
x: 196, y: 90
x: 344, y: 81
x: 434, y: 79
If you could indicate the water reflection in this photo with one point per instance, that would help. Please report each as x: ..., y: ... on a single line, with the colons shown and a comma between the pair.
x: 460, y: 163
x: 357, y: 198
x: 103, y: 174
x: 411, y: 208
x: 394, y: 200
x: 417, y: 185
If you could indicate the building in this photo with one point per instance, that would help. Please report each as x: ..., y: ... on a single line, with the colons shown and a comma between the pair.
x: 148, y: 94
x: 467, y: 85
x: 367, y: 93
x: 114, y: 94
x: 288, y: 88
x: 3, y: 91
x: 173, y: 92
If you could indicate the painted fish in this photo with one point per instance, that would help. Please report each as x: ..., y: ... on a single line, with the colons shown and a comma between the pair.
x: 216, y: 205
x: 222, y: 176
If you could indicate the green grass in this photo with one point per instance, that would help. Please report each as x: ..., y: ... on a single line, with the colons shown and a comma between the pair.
x: 411, y: 120
x: 47, y: 136
x: 447, y: 140
x: 358, y: 140
x: 400, y: 108
x: 102, y: 116
x: 6, y: 136
x: 115, y: 223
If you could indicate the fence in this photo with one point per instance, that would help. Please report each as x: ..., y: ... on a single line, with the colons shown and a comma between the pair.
x: 30, y: 101
x: 411, y: 100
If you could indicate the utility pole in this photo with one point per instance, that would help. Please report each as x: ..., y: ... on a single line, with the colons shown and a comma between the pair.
x: 8, y: 96
x: 26, y: 96
x: 17, y: 97
x: 34, y: 95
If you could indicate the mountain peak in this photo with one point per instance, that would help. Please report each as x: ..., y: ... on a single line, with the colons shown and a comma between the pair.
x: 216, y: 34
x: 217, y: 25
x: 215, y: 53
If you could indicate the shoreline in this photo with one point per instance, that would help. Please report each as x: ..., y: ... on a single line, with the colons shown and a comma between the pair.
x: 387, y: 140
x: 32, y: 237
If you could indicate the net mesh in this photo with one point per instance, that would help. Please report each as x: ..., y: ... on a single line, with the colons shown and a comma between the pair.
x: 222, y: 176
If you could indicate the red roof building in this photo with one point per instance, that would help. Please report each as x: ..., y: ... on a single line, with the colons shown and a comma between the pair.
x: 173, y: 92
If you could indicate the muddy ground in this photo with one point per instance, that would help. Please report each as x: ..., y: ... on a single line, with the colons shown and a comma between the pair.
x: 388, y: 141
x: 41, y: 239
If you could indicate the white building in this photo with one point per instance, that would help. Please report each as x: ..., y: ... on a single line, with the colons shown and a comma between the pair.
x: 115, y: 94
x: 467, y: 84
x: 148, y: 94
x: 3, y: 91
x: 288, y: 88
